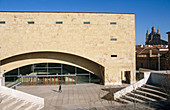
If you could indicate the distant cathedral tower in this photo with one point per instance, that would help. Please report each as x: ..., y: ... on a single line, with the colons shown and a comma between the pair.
x: 154, y: 38
x: 153, y: 29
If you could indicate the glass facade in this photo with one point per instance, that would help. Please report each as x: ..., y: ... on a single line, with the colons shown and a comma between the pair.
x: 50, y: 74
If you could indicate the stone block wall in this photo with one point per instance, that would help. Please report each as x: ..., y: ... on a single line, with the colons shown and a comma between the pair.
x: 108, y: 39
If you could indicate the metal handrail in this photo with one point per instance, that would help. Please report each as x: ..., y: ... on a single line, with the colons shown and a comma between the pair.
x: 15, y: 85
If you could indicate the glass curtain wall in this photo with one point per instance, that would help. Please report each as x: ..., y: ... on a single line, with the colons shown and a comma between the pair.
x: 50, y: 73
x: 11, y: 77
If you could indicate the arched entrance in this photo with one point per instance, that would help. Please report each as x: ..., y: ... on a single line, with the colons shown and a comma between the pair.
x: 50, y: 74
x: 50, y: 68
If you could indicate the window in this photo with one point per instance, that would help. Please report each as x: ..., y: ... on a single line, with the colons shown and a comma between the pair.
x: 30, y: 22
x: 113, y: 23
x: 113, y: 39
x: 86, y: 22
x: 113, y: 55
x: 2, y: 22
x: 59, y: 22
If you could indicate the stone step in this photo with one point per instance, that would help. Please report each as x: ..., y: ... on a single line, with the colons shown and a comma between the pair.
x: 35, y: 107
x: 154, y: 91
x: 40, y: 107
x: 9, y: 105
x: 13, y: 106
x: 25, y: 106
x: 2, y: 95
x: 8, y: 102
x: 20, y: 105
x: 142, y: 97
x: 5, y: 98
x: 153, y: 87
x: 124, y: 101
x: 31, y: 106
x: 2, y: 105
x: 133, y: 99
x: 147, y: 94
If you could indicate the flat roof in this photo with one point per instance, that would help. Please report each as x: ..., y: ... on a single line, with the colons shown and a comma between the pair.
x: 64, y: 12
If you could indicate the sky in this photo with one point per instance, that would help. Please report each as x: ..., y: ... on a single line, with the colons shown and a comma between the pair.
x: 148, y: 13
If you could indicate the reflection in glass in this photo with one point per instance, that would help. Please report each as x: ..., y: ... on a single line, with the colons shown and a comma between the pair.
x: 82, y: 79
x: 40, y: 65
x: 54, y: 65
x: 67, y: 69
x: 54, y: 71
x: 50, y: 74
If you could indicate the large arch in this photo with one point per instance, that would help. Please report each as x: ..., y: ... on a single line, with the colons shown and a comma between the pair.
x: 20, y: 60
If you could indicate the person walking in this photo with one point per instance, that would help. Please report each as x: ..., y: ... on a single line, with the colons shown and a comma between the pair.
x: 60, y: 88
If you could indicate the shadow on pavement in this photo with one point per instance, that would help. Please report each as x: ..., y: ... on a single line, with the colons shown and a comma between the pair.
x: 109, y: 96
x: 54, y: 90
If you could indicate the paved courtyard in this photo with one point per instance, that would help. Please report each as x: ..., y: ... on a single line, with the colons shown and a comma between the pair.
x: 85, y: 97
x: 82, y: 96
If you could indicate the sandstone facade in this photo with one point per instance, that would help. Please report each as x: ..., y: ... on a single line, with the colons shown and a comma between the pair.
x: 102, y: 43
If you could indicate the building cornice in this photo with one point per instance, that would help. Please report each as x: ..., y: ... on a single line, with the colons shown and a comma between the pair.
x: 62, y: 12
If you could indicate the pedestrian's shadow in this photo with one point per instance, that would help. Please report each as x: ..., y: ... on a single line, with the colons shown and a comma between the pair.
x: 54, y: 90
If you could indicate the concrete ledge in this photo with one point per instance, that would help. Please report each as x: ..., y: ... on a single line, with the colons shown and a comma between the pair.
x: 22, y: 95
x: 116, y: 83
x: 128, y: 89
x: 145, y: 70
x: 132, y: 87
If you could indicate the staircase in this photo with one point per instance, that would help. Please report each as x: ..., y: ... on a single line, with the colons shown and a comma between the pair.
x: 144, y: 94
x: 8, y: 102
x: 11, y: 99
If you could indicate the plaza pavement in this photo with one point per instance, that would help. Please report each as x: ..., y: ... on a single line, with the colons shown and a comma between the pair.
x: 80, y: 96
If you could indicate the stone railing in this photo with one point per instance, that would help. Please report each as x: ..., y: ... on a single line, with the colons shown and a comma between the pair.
x: 132, y: 86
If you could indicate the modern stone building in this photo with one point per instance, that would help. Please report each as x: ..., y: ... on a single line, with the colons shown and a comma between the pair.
x: 154, y: 38
x: 67, y: 47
